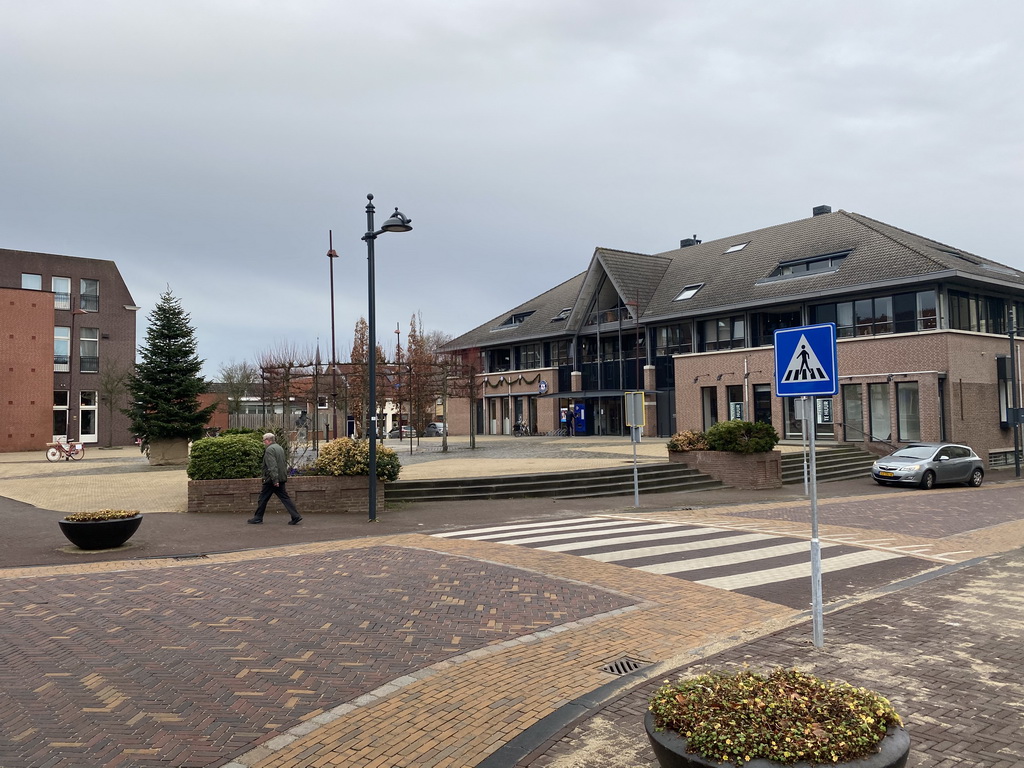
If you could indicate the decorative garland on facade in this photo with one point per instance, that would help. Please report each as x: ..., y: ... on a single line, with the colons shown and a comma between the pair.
x: 505, y: 381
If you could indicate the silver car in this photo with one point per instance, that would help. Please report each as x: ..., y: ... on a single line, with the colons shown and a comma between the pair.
x: 925, y: 464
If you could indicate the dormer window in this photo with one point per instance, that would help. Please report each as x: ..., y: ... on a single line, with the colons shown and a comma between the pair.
x: 563, y: 315
x: 797, y: 267
x: 517, y: 319
x: 689, y: 291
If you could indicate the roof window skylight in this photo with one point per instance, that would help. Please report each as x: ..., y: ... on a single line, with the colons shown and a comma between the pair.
x: 563, y: 315
x: 688, y: 292
x: 737, y: 247
x: 517, y: 318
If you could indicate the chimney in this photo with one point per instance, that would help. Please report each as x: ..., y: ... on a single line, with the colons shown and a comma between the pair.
x: 689, y: 241
x: 821, y: 210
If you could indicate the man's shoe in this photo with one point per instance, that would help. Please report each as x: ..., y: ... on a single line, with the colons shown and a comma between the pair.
x: 295, y: 521
x: 254, y: 521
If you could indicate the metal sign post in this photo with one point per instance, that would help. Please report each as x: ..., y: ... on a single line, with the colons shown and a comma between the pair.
x: 635, y: 420
x: 805, y: 367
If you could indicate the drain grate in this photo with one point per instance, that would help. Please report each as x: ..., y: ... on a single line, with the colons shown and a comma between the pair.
x: 624, y: 666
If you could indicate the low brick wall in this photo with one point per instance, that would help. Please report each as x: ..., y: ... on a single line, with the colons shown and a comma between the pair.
x: 311, y: 494
x: 754, y: 471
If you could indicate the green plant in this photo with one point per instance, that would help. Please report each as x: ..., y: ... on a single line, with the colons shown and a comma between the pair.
x: 346, y: 456
x: 742, y: 436
x: 688, y: 441
x: 103, y: 514
x: 787, y: 716
x: 226, y: 457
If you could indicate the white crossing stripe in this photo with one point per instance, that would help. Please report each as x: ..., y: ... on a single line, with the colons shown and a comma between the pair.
x: 686, y: 565
x: 668, y: 549
x: 473, y: 532
x: 800, y: 571
x: 593, y: 543
x: 634, y: 539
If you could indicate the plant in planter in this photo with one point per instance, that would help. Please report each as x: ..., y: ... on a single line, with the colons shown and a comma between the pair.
x: 688, y: 441
x: 346, y: 456
x: 784, y: 718
x: 105, y: 529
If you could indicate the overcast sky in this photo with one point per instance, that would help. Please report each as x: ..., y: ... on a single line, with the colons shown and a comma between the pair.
x: 210, y: 145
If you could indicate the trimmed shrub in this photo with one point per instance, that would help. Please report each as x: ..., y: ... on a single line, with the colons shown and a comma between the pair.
x: 742, y: 437
x: 688, y: 441
x: 227, y: 457
x: 346, y: 456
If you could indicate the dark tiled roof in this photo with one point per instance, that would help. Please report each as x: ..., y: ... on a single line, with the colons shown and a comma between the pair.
x: 878, y: 256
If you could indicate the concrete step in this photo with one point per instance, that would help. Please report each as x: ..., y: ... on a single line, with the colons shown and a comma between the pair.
x: 611, y: 481
x: 845, y: 462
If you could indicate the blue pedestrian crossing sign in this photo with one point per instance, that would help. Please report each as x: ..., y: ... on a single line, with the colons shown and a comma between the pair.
x: 805, y: 361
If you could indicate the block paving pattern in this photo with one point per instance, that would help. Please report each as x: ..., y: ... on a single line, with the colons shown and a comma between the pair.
x: 191, y: 665
x: 948, y: 653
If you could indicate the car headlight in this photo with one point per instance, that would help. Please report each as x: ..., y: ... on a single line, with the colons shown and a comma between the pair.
x: 912, y: 468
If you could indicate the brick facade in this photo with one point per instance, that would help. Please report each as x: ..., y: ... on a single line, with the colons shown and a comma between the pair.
x: 311, y: 494
x: 26, y: 369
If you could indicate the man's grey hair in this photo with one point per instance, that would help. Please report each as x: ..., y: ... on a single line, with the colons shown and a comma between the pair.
x: 269, y: 436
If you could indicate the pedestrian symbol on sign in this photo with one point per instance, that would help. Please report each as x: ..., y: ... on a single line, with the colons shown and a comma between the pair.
x: 804, y: 365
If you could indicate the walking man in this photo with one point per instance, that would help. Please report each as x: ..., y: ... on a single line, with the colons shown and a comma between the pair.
x: 275, y: 475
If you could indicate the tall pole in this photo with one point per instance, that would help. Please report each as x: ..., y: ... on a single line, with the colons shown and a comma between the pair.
x: 331, y: 256
x: 1015, y: 396
x: 369, y: 237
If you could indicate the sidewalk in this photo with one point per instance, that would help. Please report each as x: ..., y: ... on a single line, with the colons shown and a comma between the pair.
x: 213, y: 643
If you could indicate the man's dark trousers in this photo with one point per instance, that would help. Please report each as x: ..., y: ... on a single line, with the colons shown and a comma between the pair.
x: 270, y: 490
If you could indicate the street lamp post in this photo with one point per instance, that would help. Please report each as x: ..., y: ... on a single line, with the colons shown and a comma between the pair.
x: 397, y: 223
x: 331, y: 256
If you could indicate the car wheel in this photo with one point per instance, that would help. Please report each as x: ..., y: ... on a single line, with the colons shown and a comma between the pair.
x: 977, y: 477
x: 928, y: 481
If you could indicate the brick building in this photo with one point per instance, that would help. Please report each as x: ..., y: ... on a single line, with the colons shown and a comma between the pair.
x: 922, y: 327
x: 69, y: 330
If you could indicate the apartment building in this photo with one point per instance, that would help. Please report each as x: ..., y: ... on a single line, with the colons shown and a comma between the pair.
x: 69, y: 336
x: 923, y: 338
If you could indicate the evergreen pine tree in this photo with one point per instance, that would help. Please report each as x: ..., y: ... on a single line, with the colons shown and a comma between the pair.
x: 166, y: 385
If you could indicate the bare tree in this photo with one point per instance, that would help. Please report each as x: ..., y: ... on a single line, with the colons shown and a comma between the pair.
x: 237, y: 381
x: 113, y: 388
x: 282, y: 367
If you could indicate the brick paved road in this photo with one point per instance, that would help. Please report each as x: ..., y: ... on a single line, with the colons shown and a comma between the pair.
x: 190, y: 666
x: 948, y: 653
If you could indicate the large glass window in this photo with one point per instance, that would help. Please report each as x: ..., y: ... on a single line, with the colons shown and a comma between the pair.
x: 61, y: 287
x: 853, y: 413
x: 498, y: 360
x: 529, y: 356
x: 90, y: 295
x: 764, y: 324
x: 878, y: 412
x: 559, y: 351
x: 723, y: 333
x: 61, y: 349
x: 908, y: 411
x: 89, y: 350
x: 674, y: 339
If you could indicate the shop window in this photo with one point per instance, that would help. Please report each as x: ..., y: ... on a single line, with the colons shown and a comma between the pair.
x: 908, y: 411
x: 709, y: 406
x: 878, y: 412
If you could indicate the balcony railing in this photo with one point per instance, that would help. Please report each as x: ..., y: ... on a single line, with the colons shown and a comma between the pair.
x: 62, y: 301
x: 89, y: 302
x: 61, y: 364
x: 89, y: 364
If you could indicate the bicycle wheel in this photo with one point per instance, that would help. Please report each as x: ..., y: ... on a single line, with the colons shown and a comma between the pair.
x: 77, y: 453
x: 52, y: 454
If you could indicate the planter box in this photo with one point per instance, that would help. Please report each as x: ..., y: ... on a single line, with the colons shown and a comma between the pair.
x: 311, y: 494
x: 100, y: 534
x: 753, y: 471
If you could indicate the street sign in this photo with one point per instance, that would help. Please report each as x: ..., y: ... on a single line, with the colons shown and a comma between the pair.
x: 805, y: 361
x: 824, y: 411
x: 635, y: 415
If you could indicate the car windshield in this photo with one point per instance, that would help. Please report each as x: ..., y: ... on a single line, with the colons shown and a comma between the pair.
x: 915, y: 452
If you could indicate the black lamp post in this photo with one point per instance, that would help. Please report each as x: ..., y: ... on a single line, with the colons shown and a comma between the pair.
x: 331, y: 256
x: 397, y: 223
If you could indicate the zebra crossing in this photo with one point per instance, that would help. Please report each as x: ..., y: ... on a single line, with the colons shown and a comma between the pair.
x: 770, y: 566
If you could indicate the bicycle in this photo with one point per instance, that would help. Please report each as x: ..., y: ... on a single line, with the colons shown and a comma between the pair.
x: 519, y: 429
x: 72, y: 451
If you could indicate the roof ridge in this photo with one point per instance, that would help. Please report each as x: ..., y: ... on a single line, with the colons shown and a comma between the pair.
x: 869, y: 223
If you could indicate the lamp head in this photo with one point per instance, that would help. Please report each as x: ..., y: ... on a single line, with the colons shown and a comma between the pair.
x: 398, y: 222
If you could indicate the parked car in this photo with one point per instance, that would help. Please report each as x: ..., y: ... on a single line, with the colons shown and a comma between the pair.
x: 925, y: 464
x: 407, y: 431
x: 435, y: 429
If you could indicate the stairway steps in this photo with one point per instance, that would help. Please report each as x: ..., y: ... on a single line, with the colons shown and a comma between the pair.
x: 614, y: 481
x: 842, y: 463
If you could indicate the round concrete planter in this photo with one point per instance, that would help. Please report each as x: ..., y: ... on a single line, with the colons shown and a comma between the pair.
x: 100, y: 534
x: 670, y: 750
